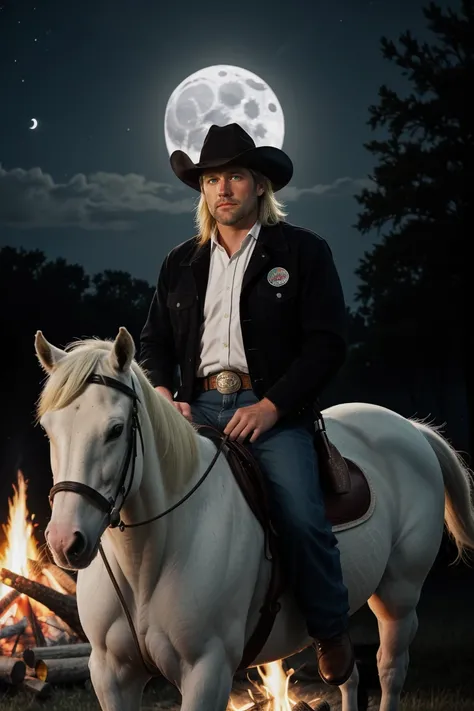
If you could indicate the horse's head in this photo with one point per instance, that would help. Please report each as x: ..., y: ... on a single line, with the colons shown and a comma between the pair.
x: 91, y: 423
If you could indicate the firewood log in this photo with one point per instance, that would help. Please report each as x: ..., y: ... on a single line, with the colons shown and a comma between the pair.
x: 64, y: 606
x: 58, y: 651
x: 41, y: 689
x: 38, y: 568
x: 12, y: 670
x: 14, y: 630
x: 8, y: 600
x: 63, y: 671
x: 35, y: 626
x: 303, y: 706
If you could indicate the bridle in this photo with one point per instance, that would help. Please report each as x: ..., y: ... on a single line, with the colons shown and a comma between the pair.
x: 109, y: 506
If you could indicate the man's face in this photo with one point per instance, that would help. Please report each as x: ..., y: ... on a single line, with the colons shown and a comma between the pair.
x: 231, y: 195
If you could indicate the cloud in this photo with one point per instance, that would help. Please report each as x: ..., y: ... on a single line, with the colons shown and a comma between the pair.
x: 31, y: 198
x: 341, y: 186
x: 109, y: 201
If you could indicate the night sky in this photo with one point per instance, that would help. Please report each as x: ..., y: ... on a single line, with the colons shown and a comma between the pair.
x: 93, y: 184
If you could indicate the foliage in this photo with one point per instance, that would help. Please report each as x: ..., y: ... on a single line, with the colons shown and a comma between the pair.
x: 416, y: 277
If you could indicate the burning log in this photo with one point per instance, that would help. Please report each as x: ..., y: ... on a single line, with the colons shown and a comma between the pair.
x: 63, y: 671
x: 13, y: 630
x: 15, y: 644
x: 41, y: 689
x: 35, y: 627
x: 8, y: 600
x: 58, y: 651
x: 12, y: 671
x: 64, y: 606
x: 303, y: 706
x: 38, y: 568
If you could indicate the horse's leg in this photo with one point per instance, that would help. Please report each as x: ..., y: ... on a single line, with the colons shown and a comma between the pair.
x: 394, y: 604
x: 349, y: 692
x: 207, y: 684
x: 118, y: 686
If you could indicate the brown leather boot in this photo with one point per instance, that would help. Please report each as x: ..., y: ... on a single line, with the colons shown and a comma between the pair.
x: 335, y: 659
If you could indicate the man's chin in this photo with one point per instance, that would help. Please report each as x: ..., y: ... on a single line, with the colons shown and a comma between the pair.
x: 228, y: 217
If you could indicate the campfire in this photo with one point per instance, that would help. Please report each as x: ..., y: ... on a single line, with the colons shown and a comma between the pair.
x: 41, y: 638
x: 272, y: 693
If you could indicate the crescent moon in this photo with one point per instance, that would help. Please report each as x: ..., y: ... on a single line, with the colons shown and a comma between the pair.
x: 35, y: 123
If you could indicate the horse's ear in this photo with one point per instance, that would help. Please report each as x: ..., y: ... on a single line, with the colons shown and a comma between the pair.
x: 123, y: 351
x: 48, y: 355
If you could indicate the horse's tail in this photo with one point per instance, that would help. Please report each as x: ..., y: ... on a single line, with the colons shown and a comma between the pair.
x: 459, y: 487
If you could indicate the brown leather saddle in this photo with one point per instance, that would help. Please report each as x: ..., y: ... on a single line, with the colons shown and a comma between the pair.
x: 346, y: 494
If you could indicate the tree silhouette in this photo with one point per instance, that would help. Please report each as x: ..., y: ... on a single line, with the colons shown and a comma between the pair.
x: 416, y: 281
x: 117, y: 299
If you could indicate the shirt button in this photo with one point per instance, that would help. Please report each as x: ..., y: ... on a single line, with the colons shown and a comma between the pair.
x: 278, y: 295
x: 226, y: 315
x: 225, y: 345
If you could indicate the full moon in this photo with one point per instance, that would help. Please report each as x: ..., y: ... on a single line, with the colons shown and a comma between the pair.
x: 220, y: 95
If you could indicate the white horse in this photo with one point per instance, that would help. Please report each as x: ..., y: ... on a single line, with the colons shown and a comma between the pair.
x: 194, y: 580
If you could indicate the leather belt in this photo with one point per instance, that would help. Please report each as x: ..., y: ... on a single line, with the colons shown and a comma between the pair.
x: 226, y: 382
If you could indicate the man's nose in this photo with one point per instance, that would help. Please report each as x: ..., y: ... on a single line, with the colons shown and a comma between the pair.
x: 225, y: 187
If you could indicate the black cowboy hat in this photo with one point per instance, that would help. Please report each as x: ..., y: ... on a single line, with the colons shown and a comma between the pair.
x: 227, y: 145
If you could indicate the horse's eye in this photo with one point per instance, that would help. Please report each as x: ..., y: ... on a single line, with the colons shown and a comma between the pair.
x: 115, y: 432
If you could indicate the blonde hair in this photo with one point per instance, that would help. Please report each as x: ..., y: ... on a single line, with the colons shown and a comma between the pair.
x: 175, y: 438
x: 270, y: 210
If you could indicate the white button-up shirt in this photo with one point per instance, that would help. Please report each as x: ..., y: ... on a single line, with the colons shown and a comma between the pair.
x: 222, y: 346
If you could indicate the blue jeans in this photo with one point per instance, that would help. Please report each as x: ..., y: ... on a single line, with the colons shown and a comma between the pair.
x: 308, y: 546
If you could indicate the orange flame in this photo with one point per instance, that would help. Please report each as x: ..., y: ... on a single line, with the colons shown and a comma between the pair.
x: 20, y: 541
x: 274, y: 689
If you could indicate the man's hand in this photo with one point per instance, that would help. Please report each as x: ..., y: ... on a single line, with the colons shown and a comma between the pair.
x: 183, y: 407
x: 252, y: 420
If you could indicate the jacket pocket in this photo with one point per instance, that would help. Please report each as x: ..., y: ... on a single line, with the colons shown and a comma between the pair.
x: 182, y: 314
x: 178, y: 300
x: 276, y: 295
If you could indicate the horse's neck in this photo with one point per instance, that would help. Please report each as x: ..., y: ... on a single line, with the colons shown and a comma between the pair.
x: 134, y: 547
x: 143, y: 552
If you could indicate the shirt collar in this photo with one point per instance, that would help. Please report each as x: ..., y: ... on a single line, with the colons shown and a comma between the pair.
x: 254, y: 231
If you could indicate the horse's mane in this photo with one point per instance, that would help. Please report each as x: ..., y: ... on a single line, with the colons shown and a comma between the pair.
x: 175, y: 438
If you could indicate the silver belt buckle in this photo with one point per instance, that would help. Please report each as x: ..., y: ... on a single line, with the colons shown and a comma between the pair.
x: 228, y: 382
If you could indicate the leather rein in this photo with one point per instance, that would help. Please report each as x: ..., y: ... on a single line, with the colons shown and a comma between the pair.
x: 110, y: 507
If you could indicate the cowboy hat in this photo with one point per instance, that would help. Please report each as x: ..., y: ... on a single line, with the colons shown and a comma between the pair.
x: 231, y: 145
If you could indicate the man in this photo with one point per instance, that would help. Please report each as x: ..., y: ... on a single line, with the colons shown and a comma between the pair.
x: 252, y: 312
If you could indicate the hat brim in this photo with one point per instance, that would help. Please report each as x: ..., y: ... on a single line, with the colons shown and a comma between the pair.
x: 272, y: 162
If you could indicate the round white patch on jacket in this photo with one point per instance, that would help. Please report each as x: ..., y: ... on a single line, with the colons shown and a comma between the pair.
x: 278, y: 276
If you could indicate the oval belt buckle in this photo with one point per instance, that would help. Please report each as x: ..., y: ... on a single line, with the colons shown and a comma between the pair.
x: 228, y: 382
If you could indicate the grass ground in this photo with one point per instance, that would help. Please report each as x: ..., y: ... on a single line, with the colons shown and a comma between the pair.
x: 440, y: 678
